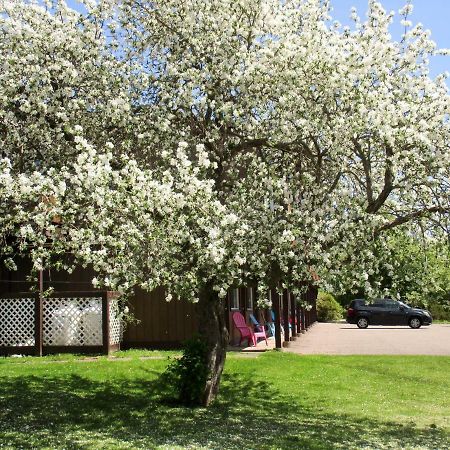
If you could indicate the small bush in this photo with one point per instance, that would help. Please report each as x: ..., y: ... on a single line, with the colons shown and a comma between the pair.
x: 440, y: 311
x: 187, y: 375
x: 328, y: 309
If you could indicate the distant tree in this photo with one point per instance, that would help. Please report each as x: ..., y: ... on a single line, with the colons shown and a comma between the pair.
x: 412, y: 266
x: 419, y: 268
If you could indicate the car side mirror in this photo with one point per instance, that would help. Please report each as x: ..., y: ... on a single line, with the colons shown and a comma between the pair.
x: 402, y: 308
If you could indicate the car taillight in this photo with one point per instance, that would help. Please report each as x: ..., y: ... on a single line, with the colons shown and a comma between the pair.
x: 350, y: 312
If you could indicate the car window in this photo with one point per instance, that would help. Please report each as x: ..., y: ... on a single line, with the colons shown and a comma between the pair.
x: 391, y: 304
x: 378, y: 303
x: 356, y: 303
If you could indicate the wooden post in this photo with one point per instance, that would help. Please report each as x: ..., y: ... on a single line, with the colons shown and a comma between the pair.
x: 314, y: 302
x: 298, y: 314
x: 105, y: 322
x: 293, y: 315
x: 38, y: 324
x: 276, y: 310
x: 286, y: 316
x: 302, y: 312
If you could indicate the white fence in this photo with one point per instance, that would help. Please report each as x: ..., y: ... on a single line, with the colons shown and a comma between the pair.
x: 82, y: 322
x: 17, y: 322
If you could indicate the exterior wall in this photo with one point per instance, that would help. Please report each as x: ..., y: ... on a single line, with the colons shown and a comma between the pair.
x: 161, y: 324
x: 16, y: 281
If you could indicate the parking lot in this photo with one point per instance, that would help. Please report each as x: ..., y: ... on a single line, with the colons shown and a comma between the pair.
x: 345, y: 339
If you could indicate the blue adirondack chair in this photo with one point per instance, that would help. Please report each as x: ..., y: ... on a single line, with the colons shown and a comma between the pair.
x: 272, y: 324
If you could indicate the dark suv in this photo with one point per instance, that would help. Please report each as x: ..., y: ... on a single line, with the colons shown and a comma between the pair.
x: 386, y: 312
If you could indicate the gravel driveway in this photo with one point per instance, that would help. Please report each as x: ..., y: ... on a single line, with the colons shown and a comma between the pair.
x: 345, y: 339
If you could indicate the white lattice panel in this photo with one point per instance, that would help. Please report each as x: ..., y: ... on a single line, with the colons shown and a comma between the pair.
x: 72, y: 321
x: 91, y: 331
x: 16, y: 322
x: 115, y: 325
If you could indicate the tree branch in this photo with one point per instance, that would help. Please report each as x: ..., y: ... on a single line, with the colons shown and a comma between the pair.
x: 400, y: 220
x: 367, y: 171
x: 389, y: 177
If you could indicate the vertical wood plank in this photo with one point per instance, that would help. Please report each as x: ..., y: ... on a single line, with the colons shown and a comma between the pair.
x: 315, y: 292
x: 105, y: 322
x: 180, y: 314
x: 171, y: 326
x: 276, y: 310
x: 293, y: 315
x: 131, y: 328
x: 286, y: 315
x: 38, y: 324
x: 141, y: 303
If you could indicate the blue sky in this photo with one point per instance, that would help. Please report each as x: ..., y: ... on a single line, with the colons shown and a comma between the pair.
x: 433, y: 14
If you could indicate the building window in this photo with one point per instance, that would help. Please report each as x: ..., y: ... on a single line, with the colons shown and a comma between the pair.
x: 249, y: 298
x: 234, y: 303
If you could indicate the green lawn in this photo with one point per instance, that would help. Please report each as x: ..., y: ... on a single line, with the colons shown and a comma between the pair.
x: 277, y: 400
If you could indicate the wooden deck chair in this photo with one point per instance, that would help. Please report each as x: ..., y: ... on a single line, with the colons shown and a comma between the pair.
x: 246, y: 331
x: 260, y: 331
x: 271, y: 328
x: 272, y: 325
x: 282, y: 322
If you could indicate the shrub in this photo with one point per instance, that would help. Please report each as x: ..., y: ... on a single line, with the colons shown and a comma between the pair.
x: 440, y: 311
x: 187, y: 375
x: 328, y: 308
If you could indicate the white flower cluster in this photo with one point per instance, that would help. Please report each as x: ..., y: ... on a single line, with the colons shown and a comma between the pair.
x: 191, y: 144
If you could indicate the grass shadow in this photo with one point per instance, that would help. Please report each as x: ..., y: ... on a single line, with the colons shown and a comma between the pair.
x: 75, y: 411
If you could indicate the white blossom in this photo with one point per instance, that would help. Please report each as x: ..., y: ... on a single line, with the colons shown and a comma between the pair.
x: 217, y: 150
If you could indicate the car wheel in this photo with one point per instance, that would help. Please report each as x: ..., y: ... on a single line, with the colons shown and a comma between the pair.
x: 415, y: 322
x: 362, y: 322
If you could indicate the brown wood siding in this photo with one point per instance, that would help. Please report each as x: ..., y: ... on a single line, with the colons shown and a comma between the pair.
x: 16, y: 281
x: 161, y: 323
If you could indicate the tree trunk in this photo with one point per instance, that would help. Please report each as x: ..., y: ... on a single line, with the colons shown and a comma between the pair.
x: 213, y: 330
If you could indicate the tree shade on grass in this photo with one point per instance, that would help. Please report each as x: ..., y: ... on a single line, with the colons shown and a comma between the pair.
x: 272, y: 401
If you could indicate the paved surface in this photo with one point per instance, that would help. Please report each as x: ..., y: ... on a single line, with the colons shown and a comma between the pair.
x: 345, y: 339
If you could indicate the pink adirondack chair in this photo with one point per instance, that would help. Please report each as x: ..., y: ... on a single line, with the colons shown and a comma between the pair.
x: 245, y: 331
x: 260, y: 329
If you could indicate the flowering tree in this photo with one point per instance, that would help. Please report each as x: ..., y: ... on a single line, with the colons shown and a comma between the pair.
x: 417, y: 266
x: 60, y: 77
x: 219, y: 143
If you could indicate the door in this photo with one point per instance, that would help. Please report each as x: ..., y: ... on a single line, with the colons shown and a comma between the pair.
x: 395, y: 314
x: 378, y: 312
